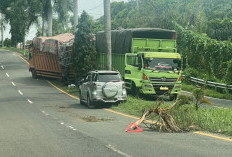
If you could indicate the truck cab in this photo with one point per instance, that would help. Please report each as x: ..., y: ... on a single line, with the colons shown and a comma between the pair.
x: 154, y: 73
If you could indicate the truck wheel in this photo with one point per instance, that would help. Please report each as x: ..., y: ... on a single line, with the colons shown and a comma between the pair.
x: 172, y: 97
x: 90, y: 103
x: 135, y: 90
x: 33, y: 73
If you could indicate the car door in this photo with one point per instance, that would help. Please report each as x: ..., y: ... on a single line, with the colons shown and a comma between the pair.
x: 133, y: 69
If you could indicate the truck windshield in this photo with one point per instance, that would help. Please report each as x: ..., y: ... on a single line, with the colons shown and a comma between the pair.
x: 107, y: 77
x: 162, y: 64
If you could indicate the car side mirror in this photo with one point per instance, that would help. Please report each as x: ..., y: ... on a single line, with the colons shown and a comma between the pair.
x: 80, y: 82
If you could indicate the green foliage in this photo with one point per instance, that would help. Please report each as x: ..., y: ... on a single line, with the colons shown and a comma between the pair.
x: 228, y: 76
x: 198, y: 95
x: 84, y: 53
x: 7, y: 42
x: 20, y: 14
x: 216, y: 120
x: 203, y: 53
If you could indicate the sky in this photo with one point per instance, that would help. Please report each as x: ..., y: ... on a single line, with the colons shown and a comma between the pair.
x: 92, y: 7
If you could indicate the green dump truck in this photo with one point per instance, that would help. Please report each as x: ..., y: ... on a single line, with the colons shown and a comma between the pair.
x: 147, y: 58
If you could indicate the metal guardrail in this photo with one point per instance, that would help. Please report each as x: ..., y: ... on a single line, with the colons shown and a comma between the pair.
x: 211, y: 84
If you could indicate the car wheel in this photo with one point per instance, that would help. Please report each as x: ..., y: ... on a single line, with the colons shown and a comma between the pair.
x: 81, y: 101
x: 90, y: 103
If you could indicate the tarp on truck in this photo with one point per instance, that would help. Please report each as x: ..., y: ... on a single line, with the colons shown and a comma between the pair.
x: 54, y: 45
x: 121, y: 39
x: 37, y: 42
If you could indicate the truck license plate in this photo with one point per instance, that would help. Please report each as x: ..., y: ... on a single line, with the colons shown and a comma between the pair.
x: 163, y: 88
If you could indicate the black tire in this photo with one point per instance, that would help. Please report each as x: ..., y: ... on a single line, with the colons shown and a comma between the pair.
x: 33, y: 73
x: 81, y: 101
x: 90, y: 103
x: 135, y: 91
x: 172, y: 97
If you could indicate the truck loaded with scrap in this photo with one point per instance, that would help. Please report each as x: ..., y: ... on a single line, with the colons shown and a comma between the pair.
x: 50, y: 56
x: 147, y: 58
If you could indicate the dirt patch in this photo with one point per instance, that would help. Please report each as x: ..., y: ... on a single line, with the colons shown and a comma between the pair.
x: 65, y: 107
x: 95, y: 119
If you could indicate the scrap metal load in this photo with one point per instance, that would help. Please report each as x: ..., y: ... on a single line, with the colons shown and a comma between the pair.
x: 50, y: 56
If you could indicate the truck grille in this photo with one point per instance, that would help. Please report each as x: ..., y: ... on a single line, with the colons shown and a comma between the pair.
x: 162, y: 79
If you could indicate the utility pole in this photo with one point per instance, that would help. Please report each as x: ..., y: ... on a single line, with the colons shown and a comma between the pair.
x: 107, y: 18
x: 49, y: 18
x: 75, y: 8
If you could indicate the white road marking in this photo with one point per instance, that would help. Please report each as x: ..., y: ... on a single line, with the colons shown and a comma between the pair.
x: 45, y: 113
x: 13, y: 83
x: 2, y: 67
x: 30, y: 101
x: 118, y: 151
x: 7, y: 75
x: 21, y: 93
x: 69, y: 126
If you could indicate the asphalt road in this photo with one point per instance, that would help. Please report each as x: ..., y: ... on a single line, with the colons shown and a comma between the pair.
x: 38, y: 120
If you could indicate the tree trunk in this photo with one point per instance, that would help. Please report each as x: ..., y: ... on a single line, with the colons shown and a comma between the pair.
x: 2, y: 29
x: 49, y: 18
x: 75, y: 8
x: 24, y: 43
x: 43, y: 32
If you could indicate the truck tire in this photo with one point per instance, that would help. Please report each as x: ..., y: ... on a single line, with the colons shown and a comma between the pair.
x: 172, y: 97
x: 90, y: 103
x: 109, y: 89
x: 33, y: 73
x: 135, y: 90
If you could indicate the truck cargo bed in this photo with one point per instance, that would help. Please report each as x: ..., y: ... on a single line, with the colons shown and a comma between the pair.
x: 45, y: 64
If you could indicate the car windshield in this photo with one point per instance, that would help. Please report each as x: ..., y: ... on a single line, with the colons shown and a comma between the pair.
x: 107, y: 77
x: 163, y: 64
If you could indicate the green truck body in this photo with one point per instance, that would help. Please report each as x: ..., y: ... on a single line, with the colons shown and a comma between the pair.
x: 146, y: 58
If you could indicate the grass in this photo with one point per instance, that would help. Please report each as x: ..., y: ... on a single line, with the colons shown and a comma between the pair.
x: 25, y: 52
x: 215, y: 120
x: 208, y: 92
x: 136, y: 106
x: 71, y: 90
